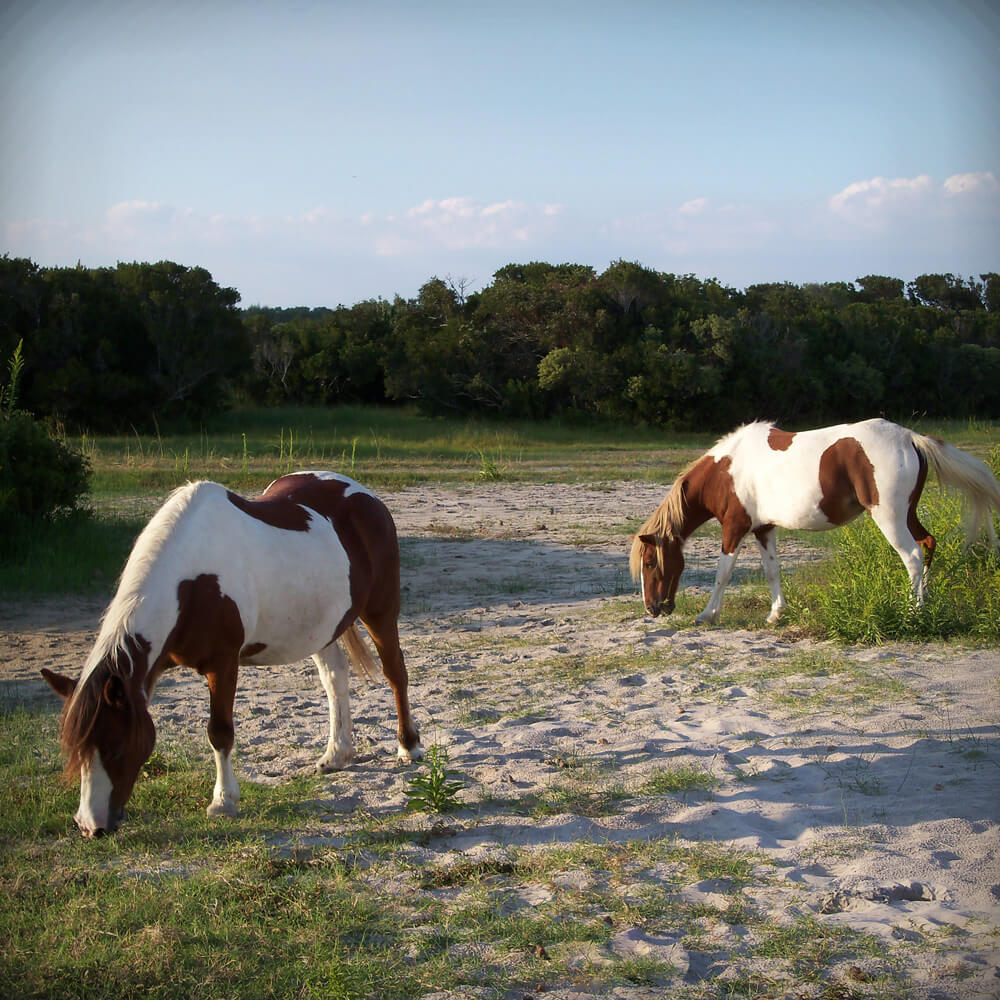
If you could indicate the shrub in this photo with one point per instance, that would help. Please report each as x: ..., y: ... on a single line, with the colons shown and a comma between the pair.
x: 40, y: 476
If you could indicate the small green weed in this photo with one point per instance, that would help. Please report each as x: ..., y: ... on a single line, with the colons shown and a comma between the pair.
x: 436, y: 790
x: 679, y: 779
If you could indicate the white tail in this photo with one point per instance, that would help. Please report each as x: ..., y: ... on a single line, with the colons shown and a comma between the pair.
x: 359, y: 654
x: 966, y: 473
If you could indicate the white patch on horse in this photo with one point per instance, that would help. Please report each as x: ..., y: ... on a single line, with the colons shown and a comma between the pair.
x: 95, y: 797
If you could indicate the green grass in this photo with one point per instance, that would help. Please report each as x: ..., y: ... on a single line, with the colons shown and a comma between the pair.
x: 289, y: 900
x: 383, y: 447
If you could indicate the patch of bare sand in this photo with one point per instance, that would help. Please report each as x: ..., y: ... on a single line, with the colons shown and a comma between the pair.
x: 878, y: 804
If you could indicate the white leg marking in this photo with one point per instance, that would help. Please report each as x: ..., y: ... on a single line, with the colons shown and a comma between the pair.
x: 908, y: 550
x: 95, y: 797
x: 723, y: 575
x: 772, y: 571
x: 416, y: 752
x: 334, y: 674
x: 226, y: 798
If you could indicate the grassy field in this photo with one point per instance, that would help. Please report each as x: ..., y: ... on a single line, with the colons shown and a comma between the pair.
x: 175, y: 905
x: 273, y: 904
x: 382, y: 448
x: 398, y: 447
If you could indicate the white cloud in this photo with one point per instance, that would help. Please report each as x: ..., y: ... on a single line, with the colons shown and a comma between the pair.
x: 868, y: 200
x: 911, y: 209
x: 966, y: 184
x: 694, y: 207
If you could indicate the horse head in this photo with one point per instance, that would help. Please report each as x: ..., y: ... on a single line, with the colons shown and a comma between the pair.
x: 108, y: 735
x: 659, y: 563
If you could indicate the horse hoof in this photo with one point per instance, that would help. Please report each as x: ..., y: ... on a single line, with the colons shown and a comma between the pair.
x: 223, y: 807
x: 416, y: 752
x: 333, y: 762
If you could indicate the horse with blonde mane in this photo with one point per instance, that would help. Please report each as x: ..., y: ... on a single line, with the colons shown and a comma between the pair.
x: 759, y: 478
x: 215, y: 581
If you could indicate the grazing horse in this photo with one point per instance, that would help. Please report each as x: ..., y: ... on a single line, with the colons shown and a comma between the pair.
x: 215, y: 581
x: 759, y: 478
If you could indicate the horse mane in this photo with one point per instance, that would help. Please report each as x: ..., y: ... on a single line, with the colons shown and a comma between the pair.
x: 114, y: 648
x: 665, y: 522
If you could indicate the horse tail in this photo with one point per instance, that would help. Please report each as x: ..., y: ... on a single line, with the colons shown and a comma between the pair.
x: 359, y: 654
x: 966, y: 473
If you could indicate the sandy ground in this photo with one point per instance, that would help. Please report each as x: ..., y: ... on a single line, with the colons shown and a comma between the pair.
x: 879, y: 812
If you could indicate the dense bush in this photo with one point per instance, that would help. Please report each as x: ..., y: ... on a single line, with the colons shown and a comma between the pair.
x: 40, y: 477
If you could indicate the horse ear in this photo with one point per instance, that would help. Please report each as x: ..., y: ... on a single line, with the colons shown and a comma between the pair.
x: 114, y: 692
x: 649, y: 539
x: 63, y: 686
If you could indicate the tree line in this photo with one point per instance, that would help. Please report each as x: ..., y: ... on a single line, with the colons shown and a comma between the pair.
x: 140, y: 344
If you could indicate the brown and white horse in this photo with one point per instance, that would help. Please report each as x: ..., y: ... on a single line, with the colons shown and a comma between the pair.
x: 759, y: 478
x: 214, y: 581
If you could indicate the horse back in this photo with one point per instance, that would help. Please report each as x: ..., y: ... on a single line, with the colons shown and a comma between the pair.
x: 362, y: 524
x: 821, y: 478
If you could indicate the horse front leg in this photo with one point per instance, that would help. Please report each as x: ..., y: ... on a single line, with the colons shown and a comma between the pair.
x: 723, y: 574
x: 222, y: 693
x: 772, y: 571
x: 385, y: 634
x: 334, y: 675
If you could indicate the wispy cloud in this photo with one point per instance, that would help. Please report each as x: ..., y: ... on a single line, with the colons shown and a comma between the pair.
x: 907, y: 225
x: 879, y: 203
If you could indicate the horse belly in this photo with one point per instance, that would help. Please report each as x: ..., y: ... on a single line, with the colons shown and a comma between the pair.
x: 300, y: 606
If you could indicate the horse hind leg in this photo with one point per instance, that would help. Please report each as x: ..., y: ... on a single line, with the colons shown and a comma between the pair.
x: 914, y: 545
x: 384, y: 632
x: 334, y: 676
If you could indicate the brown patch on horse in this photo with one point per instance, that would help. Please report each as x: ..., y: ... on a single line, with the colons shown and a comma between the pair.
x: 846, y: 481
x: 713, y: 484
x: 208, y: 630
x: 373, y: 552
x: 252, y: 649
x: 276, y: 513
x: 779, y: 440
x: 920, y: 534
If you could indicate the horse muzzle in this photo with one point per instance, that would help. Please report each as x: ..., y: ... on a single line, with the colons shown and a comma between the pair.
x: 114, y: 820
x: 655, y: 610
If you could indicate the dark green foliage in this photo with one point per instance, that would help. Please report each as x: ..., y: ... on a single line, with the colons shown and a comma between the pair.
x: 114, y: 348
x: 40, y: 478
x: 144, y: 344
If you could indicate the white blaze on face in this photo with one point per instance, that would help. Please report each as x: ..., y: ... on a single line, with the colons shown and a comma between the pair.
x: 95, y: 797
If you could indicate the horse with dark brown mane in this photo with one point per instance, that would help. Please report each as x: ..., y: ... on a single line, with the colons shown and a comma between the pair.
x: 215, y: 581
x: 759, y: 478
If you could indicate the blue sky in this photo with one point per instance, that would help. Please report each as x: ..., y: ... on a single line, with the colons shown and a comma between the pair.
x: 323, y: 153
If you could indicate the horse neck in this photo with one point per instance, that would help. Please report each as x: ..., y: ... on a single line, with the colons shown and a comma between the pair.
x: 708, y: 486
x: 144, y: 609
